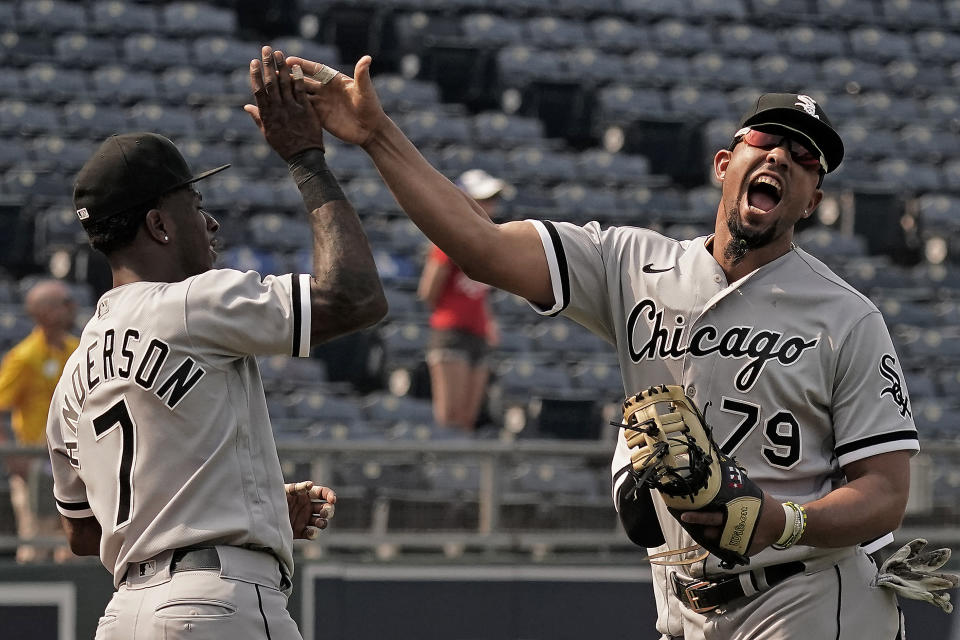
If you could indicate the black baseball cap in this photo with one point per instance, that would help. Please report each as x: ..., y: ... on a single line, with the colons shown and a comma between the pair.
x: 130, y: 170
x: 799, y: 114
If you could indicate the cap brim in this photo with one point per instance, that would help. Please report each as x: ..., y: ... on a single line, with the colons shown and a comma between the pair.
x: 820, y: 133
x: 205, y: 174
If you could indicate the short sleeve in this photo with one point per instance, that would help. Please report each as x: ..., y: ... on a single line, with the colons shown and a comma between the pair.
x: 871, y: 406
x: 578, y: 274
x: 11, y: 368
x: 68, y: 489
x: 242, y: 313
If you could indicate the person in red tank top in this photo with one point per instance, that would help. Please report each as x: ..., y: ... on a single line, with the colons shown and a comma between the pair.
x: 462, y: 328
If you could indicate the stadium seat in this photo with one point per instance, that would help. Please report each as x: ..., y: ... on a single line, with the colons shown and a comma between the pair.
x: 648, y: 10
x: 841, y: 73
x: 146, y: 51
x: 939, y: 211
x: 399, y: 93
x: 897, y: 311
x: 55, y: 153
x: 593, y: 66
x: 851, y: 12
x: 435, y: 127
x: 809, y: 42
x: 45, y: 82
x: 274, y: 231
x: 788, y: 74
x: 687, y: 101
x: 491, y: 30
x: 51, y: 16
x: 622, y: 104
x: 566, y: 340
x: 247, y: 258
x: 743, y: 39
x: 827, y: 242
x: 13, y: 152
x: 575, y: 202
x: 323, y: 407
x: 720, y: 10
x: 603, y: 167
x: 404, y: 305
x: 910, y: 75
x: 414, y: 30
x: 18, y: 118
x: 405, y: 341
x: 206, y: 155
x: 519, y: 65
x: 647, y: 68
x: 312, y: 50
x: 496, y: 129
x: 390, y: 409
x: 186, y: 19
x: 79, y: 49
x: 612, y: 33
x: 936, y: 45
x: 225, y: 51
x: 370, y: 196
x: 223, y: 123
x: 873, y: 43
x: 912, y: 175
x: 543, y: 166
x: 942, y: 108
x: 185, y: 85
x: 515, y: 341
x: 95, y: 121
x: 548, y: 32
x: 868, y: 141
x: 926, y: 142
x: 917, y: 13
x: 675, y: 36
x: 114, y: 84
x: 935, y: 418
x: 120, y: 18
x: 523, y: 377
x: 174, y: 122
x: 712, y: 69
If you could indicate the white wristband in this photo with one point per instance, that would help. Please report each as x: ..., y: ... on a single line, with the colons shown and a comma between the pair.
x: 788, y: 525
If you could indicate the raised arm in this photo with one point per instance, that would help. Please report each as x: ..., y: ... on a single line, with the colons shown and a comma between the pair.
x: 345, y: 290
x: 508, y: 256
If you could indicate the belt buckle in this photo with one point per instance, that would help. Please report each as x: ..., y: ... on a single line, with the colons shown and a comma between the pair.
x: 694, y: 600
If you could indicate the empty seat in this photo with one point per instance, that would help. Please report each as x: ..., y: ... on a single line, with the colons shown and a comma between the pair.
x: 173, y: 122
x: 405, y: 340
x: 823, y: 241
x: 725, y: 10
x: 274, y: 231
x: 549, y: 32
x: 204, y: 155
x: 398, y: 93
x: 77, y: 49
x: 246, y: 258
x: 784, y: 72
x: 435, y: 128
x: 324, y: 407
x: 225, y: 51
x: 650, y: 68
x: 596, y: 64
x: 675, y: 36
x: 186, y: 85
x: 910, y: 174
x: 840, y: 74
x: 93, y: 120
x: 917, y: 13
x: 53, y: 83
x: 524, y: 377
x: 742, y: 39
x: 518, y: 65
x: 578, y: 203
x: 689, y: 101
x: 603, y: 167
x: 534, y: 163
x: 310, y: 50
x: 18, y: 117
x: 653, y: 9
x: 622, y: 104
x: 807, y: 41
x: 937, y: 45
x: 120, y: 18
x: 490, y: 29
x: 222, y: 122
x: 52, y: 16
x: 148, y: 51
x: 847, y: 11
x: 195, y: 18
x: 498, y: 129
x: 616, y: 34
x: 115, y: 84
x: 566, y: 340
x: 53, y: 152
x: 910, y: 75
x: 388, y: 408
x: 712, y: 69
x: 873, y: 43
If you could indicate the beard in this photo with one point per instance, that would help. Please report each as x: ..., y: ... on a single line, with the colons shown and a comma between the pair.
x: 743, y: 240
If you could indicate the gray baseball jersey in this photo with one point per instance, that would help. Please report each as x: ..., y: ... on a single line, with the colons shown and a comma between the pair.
x: 159, y: 427
x: 793, y: 368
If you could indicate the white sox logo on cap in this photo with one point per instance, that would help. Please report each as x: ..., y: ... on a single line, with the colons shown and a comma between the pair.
x: 808, y: 104
x: 82, y: 213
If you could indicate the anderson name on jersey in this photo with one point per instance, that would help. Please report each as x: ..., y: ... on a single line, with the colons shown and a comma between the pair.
x: 155, y: 362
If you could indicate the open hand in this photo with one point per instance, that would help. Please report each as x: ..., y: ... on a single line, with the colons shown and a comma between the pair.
x: 348, y: 107
x: 283, y: 112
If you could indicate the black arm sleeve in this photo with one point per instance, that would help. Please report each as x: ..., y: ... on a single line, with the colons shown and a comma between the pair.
x: 637, y: 515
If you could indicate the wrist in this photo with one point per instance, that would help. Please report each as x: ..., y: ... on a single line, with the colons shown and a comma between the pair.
x: 316, y: 182
x: 794, y: 526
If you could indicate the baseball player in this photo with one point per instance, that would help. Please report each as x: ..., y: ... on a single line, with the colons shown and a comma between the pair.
x: 162, y: 450
x: 795, y: 369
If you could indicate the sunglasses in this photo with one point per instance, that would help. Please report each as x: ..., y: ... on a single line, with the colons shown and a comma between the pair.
x: 801, y: 153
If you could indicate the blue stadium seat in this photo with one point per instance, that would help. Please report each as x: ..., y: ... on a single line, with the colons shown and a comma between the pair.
x: 114, y: 84
x: 311, y: 50
x: 403, y: 304
x: 742, y: 39
x: 195, y: 18
x: 917, y: 13
x: 370, y: 195
x: 886, y: 107
x: 809, y: 42
x: 36, y: 187
x: 323, y: 407
x: 951, y: 173
x: 93, y: 120
x: 413, y: 30
x: 675, y: 36
x: 712, y: 69
x: 18, y: 118
x: 942, y: 108
x: 397, y: 93
x: 549, y: 32
x: 47, y: 82
x: 786, y: 73
x: 873, y: 43
x: 897, y: 311
x: 926, y: 142
x: 522, y: 377
x: 173, y: 122
x: 52, y: 16
x: 655, y: 9
x: 939, y: 211
x: 121, y: 18
x: 56, y: 153
x: 518, y: 65
x: 703, y: 199
x: 454, y: 476
x: 59, y: 227
x: 865, y: 140
x: 613, y: 33
x: 603, y: 167
x: 147, y: 51
x: 497, y: 129
x: 435, y: 127
x: 601, y: 378
x: 909, y: 75
x: 181, y: 85
x: 666, y: 204
x: 534, y: 163
x: 718, y: 133
x: 405, y: 341
x: 491, y: 30
x: 13, y: 152
x: 274, y: 231
x: 14, y: 325
x: 937, y: 45
x: 645, y: 68
x: 689, y: 101
x: 225, y: 51
x: 8, y: 15
x: 222, y: 122
x: 597, y: 65
x: 841, y: 73
x: 852, y: 12
x: 622, y: 104
x: 206, y: 155
x: 936, y: 418
x: 388, y: 408
x: 911, y: 174
x: 827, y: 242
x: 78, y: 49
x: 349, y: 162
x: 566, y: 341
x: 576, y: 202
x: 720, y: 10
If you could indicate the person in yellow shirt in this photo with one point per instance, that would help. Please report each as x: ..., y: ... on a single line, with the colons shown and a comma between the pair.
x: 28, y: 375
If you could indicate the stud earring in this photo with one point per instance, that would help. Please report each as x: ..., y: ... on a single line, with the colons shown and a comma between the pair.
x: 167, y: 238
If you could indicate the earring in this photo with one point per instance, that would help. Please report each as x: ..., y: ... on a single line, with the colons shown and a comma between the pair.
x: 167, y: 238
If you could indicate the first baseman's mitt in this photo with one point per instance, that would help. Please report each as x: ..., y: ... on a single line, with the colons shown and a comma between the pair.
x: 911, y: 572
x: 673, y: 451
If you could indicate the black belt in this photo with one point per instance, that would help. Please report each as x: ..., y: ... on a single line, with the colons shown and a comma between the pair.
x: 705, y: 595
x: 187, y: 559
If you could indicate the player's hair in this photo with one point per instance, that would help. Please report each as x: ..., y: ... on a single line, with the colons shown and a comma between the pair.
x: 115, y: 232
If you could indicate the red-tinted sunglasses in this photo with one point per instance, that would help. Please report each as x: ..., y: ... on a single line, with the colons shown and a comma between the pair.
x: 800, y: 152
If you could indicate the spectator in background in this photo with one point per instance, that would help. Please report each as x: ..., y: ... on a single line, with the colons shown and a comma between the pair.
x: 28, y: 375
x: 462, y: 327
